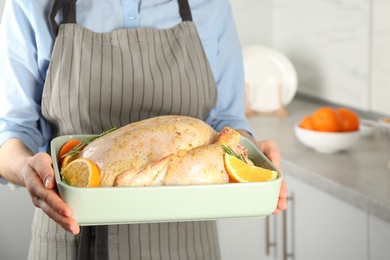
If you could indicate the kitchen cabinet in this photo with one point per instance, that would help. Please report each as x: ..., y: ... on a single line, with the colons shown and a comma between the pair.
x: 251, y: 239
x: 242, y: 239
x: 321, y: 226
x: 379, y: 239
x: 316, y: 225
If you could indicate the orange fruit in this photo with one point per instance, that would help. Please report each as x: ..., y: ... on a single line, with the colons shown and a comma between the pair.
x: 68, y: 158
x: 67, y: 147
x: 82, y: 172
x: 326, y: 119
x: 240, y: 171
x: 349, y: 119
x: 306, y: 123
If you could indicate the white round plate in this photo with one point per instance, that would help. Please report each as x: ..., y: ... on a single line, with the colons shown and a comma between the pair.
x: 270, y: 77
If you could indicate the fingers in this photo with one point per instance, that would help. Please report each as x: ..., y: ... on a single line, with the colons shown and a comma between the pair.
x: 282, y: 202
x: 39, y: 180
x: 45, y: 198
x: 283, y: 190
x: 271, y: 150
x: 60, y: 213
x: 282, y: 205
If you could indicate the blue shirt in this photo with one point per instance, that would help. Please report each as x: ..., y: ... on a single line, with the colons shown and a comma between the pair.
x: 26, y: 44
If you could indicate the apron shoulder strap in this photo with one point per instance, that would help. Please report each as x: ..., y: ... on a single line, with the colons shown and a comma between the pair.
x: 185, y: 11
x: 68, y: 10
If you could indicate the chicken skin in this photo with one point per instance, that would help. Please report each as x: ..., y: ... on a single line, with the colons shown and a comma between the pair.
x: 201, y: 165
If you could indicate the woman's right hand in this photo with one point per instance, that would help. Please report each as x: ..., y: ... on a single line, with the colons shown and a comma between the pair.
x: 38, y: 175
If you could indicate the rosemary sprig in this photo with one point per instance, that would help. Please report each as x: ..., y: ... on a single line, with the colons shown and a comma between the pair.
x: 81, y: 145
x: 230, y: 151
x: 64, y: 179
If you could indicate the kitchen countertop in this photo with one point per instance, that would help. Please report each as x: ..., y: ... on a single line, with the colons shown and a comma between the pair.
x: 359, y: 176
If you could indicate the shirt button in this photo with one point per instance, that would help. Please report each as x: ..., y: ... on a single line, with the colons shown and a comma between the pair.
x: 131, y: 16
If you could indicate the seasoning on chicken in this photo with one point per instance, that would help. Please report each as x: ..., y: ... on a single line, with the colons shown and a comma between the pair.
x: 165, y: 150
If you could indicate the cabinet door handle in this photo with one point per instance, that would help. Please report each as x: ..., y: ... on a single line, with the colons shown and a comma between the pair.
x: 286, y: 254
x: 268, y: 242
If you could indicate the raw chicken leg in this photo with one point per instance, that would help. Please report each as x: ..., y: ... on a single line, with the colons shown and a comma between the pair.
x: 202, y: 165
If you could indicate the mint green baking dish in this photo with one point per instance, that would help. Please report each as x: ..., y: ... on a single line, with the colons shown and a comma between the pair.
x: 128, y: 205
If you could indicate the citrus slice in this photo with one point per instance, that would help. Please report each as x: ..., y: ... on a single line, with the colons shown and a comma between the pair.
x: 82, y: 172
x: 68, y: 158
x: 240, y: 171
x: 67, y: 147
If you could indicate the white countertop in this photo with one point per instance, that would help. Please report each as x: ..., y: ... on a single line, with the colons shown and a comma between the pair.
x: 359, y: 176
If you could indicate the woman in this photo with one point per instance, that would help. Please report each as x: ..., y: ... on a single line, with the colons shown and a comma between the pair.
x: 112, y: 63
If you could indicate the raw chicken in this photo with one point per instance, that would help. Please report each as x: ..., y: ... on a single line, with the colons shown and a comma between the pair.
x: 165, y: 150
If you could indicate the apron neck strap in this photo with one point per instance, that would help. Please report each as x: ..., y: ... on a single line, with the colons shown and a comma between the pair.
x: 185, y: 11
x: 68, y: 10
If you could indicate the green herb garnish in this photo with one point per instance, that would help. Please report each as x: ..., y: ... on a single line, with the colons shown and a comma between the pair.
x: 81, y: 145
x: 64, y: 179
x: 230, y: 151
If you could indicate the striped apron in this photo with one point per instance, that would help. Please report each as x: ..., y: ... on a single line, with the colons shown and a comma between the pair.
x: 99, y: 80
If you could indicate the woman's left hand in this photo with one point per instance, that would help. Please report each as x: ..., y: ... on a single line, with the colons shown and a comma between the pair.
x: 271, y: 150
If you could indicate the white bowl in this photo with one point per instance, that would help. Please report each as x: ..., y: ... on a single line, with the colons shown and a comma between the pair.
x: 384, y: 124
x: 367, y: 127
x: 326, y: 142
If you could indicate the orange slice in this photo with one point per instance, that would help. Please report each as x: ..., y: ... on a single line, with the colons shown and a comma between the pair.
x: 68, y: 158
x: 240, y: 171
x: 69, y: 145
x: 82, y: 172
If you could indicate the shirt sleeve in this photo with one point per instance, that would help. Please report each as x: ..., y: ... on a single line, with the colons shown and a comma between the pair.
x: 21, y: 77
x: 229, y: 75
x: 10, y: 185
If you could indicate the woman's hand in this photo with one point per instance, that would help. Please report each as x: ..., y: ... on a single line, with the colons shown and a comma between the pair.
x: 38, y: 177
x: 19, y: 166
x: 270, y: 149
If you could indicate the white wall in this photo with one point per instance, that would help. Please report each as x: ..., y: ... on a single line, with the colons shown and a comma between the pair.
x: 2, y: 2
x: 339, y: 48
x: 16, y: 213
x: 328, y: 41
x: 380, y: 63
x: 253, y: 20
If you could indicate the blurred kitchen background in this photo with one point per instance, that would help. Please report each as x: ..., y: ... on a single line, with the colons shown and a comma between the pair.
x: 340, y: 50
x: 16, y: 213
